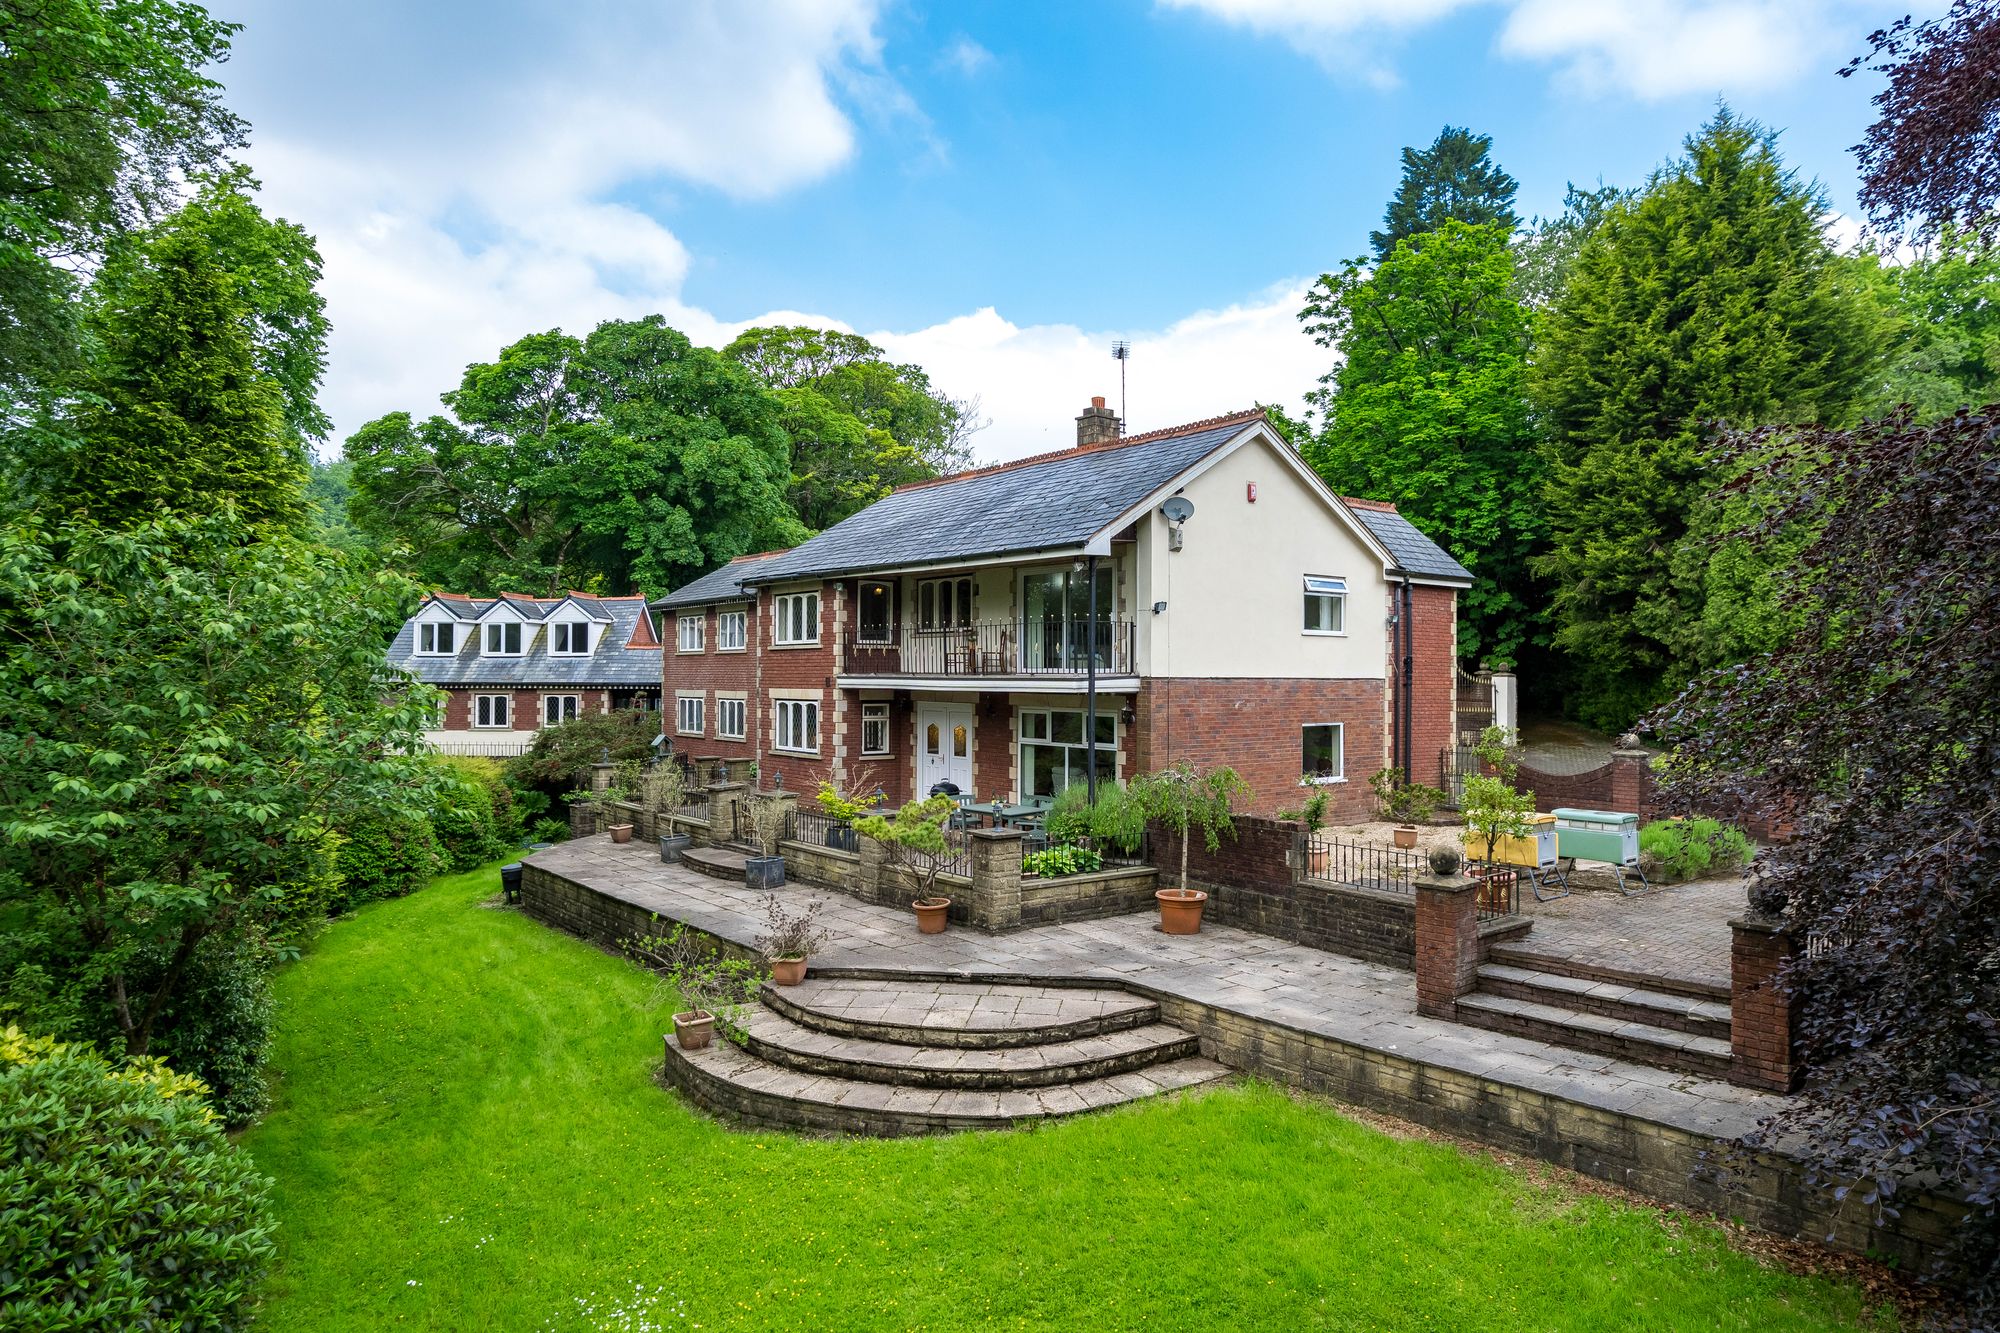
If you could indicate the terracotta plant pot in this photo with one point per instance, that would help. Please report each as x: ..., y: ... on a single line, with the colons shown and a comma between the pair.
x: 931, y: 915
x: 1180, y: 910
x: 694, y: 1031
x: 1406, y: 836
x: 788, y: 971
x: 1495, y: 889
x: 621, y: 833
x: 1319, y: 862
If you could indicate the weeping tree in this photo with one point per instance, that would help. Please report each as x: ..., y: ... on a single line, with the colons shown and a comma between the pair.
x: 1873, y: 728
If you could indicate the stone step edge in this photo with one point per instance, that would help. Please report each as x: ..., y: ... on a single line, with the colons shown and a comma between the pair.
x: 715, y: 1079
x: 1166, y: 1044
x: 1597, y: 1034
x: 1682, y: 1013
x: 1516, y: 956
x: 1140, y: 1015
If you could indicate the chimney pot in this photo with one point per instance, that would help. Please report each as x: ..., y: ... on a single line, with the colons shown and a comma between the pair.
x: 1097, y: 401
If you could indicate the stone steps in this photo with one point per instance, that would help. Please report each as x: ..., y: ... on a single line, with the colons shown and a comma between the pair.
x: 1643, y: 1043
x: 901, y: 1056
x: 716, y: 862
x: 1611, y: 999
x: 1522, y: 956
x: 770, y: 1036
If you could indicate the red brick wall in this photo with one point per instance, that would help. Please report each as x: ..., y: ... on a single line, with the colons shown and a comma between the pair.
x: 527, y: 709
x: 1253, y: 725
x: 1434, y: 696
x: 810, y: 668
x: 993, y: 727
x: 709, y: 671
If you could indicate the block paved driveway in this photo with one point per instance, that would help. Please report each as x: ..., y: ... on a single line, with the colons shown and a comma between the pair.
x: 1341, y: 998
x: 1678, y: 931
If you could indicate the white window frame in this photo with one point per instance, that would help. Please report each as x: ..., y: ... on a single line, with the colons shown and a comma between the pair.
x: 1325, y: 590
x: 795, y: 611
x: 690, y: 714
x: 732, y: 718
x: 575, y: 709
x: 430, y: 631
x: 563, y: 636
x: 732, y: 631
x: 791, y: 718
x: 484, y: 703
x: 498, y: 630
x: 961, y: 590
x: 874, y: 717
x: 1339, y: 754
x: 689, y: 633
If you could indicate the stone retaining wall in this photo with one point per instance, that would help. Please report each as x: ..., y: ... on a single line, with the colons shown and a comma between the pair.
x: 1087, y: 897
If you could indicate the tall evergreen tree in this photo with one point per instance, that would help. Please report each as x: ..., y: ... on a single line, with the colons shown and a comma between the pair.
x: 181, y: 419
x: 1429, y: 409
x: 1453, y: 178
x: 1712, y: 297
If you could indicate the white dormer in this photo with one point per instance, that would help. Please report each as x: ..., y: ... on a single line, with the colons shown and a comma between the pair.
x: 504, y: 632
x: 438, y: 632
x: 573, y: 630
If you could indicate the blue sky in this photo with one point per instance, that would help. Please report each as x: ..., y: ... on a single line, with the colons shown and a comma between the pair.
x: 992, y: 190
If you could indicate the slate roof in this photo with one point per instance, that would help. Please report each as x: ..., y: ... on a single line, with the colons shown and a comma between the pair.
x: 718, y: 585
x: 613, y: 663
x: 1054, y: 502
x: 1413, y: 551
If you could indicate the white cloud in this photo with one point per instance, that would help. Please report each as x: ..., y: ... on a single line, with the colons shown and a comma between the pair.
x: 1648, y: 49
x: 967, y: 56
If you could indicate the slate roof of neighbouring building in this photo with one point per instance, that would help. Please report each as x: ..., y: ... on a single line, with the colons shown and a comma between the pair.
x: 718, y: 585
x: 1413, y: 551
x: 627, y: 653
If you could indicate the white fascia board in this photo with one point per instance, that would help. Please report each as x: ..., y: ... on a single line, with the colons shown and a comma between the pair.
x: 987, y: 684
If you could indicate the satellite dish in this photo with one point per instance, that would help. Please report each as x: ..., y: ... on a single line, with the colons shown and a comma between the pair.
x: 1178, y: 509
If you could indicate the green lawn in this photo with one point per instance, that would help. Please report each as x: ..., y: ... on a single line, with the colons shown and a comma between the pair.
x: 467, y: 1135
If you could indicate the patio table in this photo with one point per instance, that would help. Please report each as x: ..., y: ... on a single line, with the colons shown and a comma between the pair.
x: 1011, y: 814
x: 990, y: 809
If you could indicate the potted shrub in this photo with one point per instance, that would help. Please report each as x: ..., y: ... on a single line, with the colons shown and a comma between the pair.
x: 844, y: 812
x: 599, y: 804
x: 665, y: 790
x: 708, y: 987
x: 1407, y: 804
x: 1185, y: 798
x: 1494, y: 811
x: 766, y: 870
x: 1312, y: 813
x: 789, y: 939
x: 915, y: 839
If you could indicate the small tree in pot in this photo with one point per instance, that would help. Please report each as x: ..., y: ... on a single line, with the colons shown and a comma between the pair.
x: 766, y: 870
x: 790, y: 938
x: 664, y: 789
x: 1407, y: 803
x: 1495, y: 811
x: 708, y: 987
x: 915, y: 839
x: 1312, y: 813
x: 1185, y: 798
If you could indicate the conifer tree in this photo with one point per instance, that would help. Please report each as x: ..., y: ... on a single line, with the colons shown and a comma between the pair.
x: 1453, y: 178
x: 1712, y: 297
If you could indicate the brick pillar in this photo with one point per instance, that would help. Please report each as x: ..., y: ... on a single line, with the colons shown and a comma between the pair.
x: 600, y: 774
x: 1629, y: 776
x: 1761, y: 1050
x: 996, y: 879
x: 582, y: 818
x: 1447, y: 943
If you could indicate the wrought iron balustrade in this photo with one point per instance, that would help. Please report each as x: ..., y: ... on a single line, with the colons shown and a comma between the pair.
x: 995, y: 648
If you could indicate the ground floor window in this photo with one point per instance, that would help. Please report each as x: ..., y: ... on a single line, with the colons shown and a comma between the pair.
x: 688, y: 718
x: 1325, y: 750
x: 1053, y: 754
x: 558, y: 708
x: 874, y: 729
x: 798, y: 725
x: 729, y: 719
x: 492, y: 710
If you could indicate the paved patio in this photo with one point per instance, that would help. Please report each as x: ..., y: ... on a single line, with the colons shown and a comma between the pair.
x: 1340, y: 998
x: 1679, y: 931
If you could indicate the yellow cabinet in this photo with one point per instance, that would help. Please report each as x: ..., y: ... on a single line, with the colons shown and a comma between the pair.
x: 1537, y: 849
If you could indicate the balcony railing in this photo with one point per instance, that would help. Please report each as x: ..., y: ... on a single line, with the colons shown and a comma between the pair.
x: 996, y: 648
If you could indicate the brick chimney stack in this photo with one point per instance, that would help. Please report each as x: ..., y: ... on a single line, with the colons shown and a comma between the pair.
x: 1096, y: 424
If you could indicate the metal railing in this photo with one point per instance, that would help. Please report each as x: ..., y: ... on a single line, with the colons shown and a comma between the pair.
x: 1500, y: 896
x: 1365, y: 865
x: 995, y: 648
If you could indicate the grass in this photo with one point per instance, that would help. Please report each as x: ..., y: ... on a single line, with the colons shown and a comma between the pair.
x: 467, y: 1135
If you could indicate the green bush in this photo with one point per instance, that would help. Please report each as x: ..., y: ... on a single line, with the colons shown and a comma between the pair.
x: 1068, y: 820
x: 473, y: 813
x: 1055, y: 862
x: 1690, y: 848
x: 1117, y: 820
x: 305, y: 903
x: 122, y: 1205
x: 386, y: 855
x: 561, y: 756
x: 547, y: 830
x: 216, y: 1025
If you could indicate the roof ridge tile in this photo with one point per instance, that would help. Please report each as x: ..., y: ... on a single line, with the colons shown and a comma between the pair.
x: 1101, y: 447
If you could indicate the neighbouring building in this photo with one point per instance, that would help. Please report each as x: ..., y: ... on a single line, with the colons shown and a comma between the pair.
x: 1196, y: 591
x: 510, y: 665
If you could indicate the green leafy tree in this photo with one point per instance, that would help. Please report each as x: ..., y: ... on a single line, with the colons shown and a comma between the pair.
x: 1455, y: 178
x: 329, y: 487
x: 1943, y: 339
x: 1544, y: 252
x: 105, y: 107
x: 1189, y: 800
x: 1711, y: 296
x: 628, y: 458
x: 187, y: 713
x: 1428, y: 408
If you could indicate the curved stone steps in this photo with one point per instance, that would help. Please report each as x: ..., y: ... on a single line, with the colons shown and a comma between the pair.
x: 958, y: 1014
x: 771, y: 1036
x: 725, y: 1079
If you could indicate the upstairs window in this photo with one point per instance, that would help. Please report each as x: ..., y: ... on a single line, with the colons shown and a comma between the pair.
x: 874, y: 604
x: 798, y: 725
x: 944, y: 603
x: 691, y: 629
x: 688, y: 716
x: 796, y: 618
x: 503, y: 639
x: 1326, y: 605
x: 570, y: 638
x: 729, y: 718
x: 731, y: 631
x: 437, y: 640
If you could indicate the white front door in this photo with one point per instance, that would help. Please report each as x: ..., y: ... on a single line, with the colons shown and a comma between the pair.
x: 944, y: 746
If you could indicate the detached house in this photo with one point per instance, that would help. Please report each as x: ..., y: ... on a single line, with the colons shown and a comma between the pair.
x: 1192, y: 593
x: 511, y: 665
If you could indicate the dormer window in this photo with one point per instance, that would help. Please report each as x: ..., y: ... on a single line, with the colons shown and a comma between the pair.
x: 503, y: 639
x: 569, y: 638
x: 437, y: 640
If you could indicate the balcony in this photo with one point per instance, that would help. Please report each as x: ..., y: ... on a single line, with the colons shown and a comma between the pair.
x: 995, y: 650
